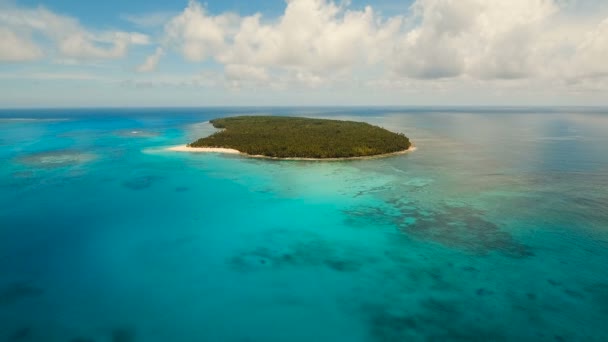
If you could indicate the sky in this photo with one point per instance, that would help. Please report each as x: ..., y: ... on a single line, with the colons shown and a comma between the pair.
x: 157, y: 53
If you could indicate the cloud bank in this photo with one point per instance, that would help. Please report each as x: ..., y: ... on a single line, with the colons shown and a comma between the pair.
x: 435, y: 44
x: 321, y: 40
x: 68, y: 38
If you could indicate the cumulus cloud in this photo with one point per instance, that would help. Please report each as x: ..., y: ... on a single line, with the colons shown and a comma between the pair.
x: 312, y: 35
x: 198, y: 35
x: 592, y: 52
x: 15, y: 48
x: 152, y: 61
x: 315, y: 40
x: 484, y: 39
x: 71, y: 40
x: 82, y: 45
x: 239, y: 72
x: 45, y: 76
x: 320, y: 43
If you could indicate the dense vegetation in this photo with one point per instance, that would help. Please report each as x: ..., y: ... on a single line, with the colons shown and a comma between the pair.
x: 293, y: 137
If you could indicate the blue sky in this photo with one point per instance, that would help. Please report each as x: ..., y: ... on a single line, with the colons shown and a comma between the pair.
x: 67, y: 53
x: 107, y: 13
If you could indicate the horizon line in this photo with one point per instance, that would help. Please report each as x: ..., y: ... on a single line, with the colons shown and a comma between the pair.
x: 540, y: 106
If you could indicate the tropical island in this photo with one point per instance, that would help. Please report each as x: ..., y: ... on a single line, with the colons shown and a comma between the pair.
x: 299, y: 138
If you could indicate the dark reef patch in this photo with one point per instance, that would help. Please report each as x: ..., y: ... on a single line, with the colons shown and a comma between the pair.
x: 22, y: 334
x: 599, y: 292
x: 140, y: 182
x: 432, y: 320
x: 23, y: 174
x: 453, y: 226
x: 341, y: 265
x: 123, y: 334
x: 432, y: 276
x: 371, y: 191
x: 313, y: 253
x: 574, y: 294
x: 18, y: 291
x: 465, y: 228
x: 21, y: 179
x: 470, y: 269
x: 391, y: 327
x: 483, y: 292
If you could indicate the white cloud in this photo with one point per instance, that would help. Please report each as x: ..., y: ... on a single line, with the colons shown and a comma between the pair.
x: 44, y: 76
x: 196, y: 34
x: 592, y: 53
x: 81, y: 45
x: 237, y: 72
x: 205, y: 79
x: 435, y: 45
x: 485, y: 39
x: 312, y: 34
x: 151, y: 61
x: 315, y: 35
x: 69, y: 38
x: 14, y: 48
x: 318, y: 41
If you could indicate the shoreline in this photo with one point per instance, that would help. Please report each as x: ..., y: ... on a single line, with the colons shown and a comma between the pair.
x: 186, y: 148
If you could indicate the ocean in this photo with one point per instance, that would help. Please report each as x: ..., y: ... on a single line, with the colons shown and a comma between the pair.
x: 494, y: 229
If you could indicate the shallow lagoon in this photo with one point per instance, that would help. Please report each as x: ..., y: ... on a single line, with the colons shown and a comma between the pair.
x: 496, y: 228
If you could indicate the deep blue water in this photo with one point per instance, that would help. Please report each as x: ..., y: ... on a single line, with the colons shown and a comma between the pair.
x: 495, y: 229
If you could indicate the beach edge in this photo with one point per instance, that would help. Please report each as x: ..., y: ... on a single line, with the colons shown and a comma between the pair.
x: 223, y: 150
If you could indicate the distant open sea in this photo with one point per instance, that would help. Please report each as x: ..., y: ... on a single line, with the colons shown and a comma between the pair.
x: 495, y: 229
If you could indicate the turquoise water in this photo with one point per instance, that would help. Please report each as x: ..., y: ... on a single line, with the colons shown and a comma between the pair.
x: 495, y: 229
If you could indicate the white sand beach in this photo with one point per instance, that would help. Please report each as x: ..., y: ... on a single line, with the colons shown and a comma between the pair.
x: 186, y: 148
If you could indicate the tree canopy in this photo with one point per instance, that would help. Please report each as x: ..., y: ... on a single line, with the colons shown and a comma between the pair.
x: 297, y: 137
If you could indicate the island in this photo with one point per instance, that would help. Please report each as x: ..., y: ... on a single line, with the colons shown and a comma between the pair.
x: 281, y: 137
